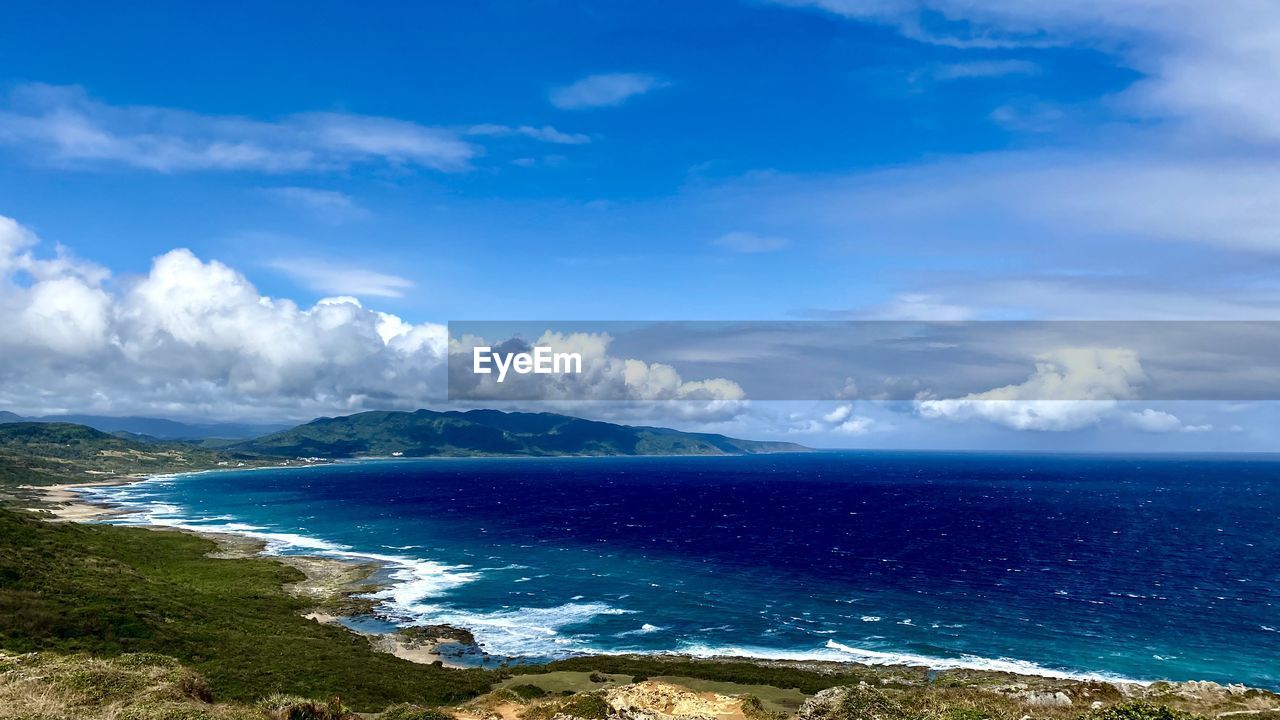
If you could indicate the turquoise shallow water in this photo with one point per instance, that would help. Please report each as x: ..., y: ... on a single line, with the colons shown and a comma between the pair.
x: 1128, y: 567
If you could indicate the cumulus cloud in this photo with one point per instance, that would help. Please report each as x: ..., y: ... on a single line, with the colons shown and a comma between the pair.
x: 604, y: 377
x: 195, y: 337
x: 750, y: 243
x: 840, y: 420
x: 1071, y: 388
x: 603, y: 90
x: 65, y: 126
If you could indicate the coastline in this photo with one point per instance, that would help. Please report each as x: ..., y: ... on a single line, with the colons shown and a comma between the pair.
x: 339, y: 588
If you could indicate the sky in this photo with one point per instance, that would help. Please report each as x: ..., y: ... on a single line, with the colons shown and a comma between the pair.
x: 186, y: 187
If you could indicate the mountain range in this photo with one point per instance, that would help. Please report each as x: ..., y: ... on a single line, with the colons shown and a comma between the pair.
x: 158, y: 428
x: 421, y: 433
x: 490, y: 432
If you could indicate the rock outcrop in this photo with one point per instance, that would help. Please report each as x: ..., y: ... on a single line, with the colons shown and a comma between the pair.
x: 655, y: 700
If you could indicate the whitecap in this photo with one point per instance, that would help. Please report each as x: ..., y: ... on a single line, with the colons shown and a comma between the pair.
x: 523, y: 632
x: 644, y: 629
x: 838, y: 652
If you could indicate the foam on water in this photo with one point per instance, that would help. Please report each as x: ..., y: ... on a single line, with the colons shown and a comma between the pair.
x: 455, y: 551
x: 528, y: 632
x: 413, y: 580
x: 838, y: 652
x: 524, y: 632
x: 519, y: 632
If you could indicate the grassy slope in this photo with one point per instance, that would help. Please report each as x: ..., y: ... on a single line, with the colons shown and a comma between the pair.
x: 47, y: 453
x: 110, y: 590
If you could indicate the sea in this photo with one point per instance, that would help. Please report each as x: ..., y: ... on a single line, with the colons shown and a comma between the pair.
x: 1094, y: 566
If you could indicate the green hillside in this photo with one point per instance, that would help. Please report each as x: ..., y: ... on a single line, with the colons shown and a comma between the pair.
x: 39, y: 453
x: 490, y: 432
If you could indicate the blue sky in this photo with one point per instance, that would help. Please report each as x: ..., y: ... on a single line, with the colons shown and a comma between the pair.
x: 739, y: 88
x: 711, y: 160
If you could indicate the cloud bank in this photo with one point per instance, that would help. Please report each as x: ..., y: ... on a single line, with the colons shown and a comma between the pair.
x: 194, y: 337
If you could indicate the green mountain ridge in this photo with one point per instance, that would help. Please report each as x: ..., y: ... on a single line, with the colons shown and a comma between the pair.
x: 41, y: 453
x: 425, y: 433
x: 157, y: 428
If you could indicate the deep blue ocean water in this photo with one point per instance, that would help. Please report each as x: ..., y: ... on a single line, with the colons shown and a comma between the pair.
x: 1128, y: 567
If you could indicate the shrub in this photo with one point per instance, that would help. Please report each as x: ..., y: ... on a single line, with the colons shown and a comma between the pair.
x: 413, y: 712
x: 528, y: 692
x: 287, y: 707
x: 588, y: 706
x: 1137, y: 710
x: 854, y: 702
x: 596, y: 677
x: 753, y: 709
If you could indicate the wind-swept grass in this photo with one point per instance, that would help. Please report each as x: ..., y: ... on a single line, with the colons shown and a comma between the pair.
x: 113, y: 590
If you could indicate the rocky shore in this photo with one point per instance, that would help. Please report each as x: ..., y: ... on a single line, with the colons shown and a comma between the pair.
x: 338, y: 590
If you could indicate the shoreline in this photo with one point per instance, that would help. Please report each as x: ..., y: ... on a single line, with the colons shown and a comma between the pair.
x: 342, y: 584
x: 335, y: 585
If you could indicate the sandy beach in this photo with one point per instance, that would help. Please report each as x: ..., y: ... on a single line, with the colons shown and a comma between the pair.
x: 66, y: 504
x: 336, y: 587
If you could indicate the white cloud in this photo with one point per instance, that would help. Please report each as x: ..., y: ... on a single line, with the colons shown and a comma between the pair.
x: 546, y: 133
x: 1142, y: 192
x: 342, y: 278
x: 947, y: 72
x: 840, y: 420
x: 838, y: 415
x: 195, y: 337
x: 603, y: 377
x: 327, y: 205
x: 1071, y: 388
x: 604, y: 90
x: 856, y: 426
x: 1159, y: 421
x: 1212, y: 65
x: 750, y: 243
x: 918, y: 306
x: 63, y: 125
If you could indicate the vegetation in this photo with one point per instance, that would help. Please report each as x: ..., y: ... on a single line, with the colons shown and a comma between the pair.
x: 413, y: 712
x: 489, y: 432
x: 154, y: 428
x: 1139, y: 711
x: 128, y: 687
x: 286, y: 707
x: 745, y: 673
x: 132, y: 624
x: 49, y: 453
x: 860, y: 703
x: 528, y: 692
x: 587, y: 706
x: 113, y: 590
x: 753, y: 708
